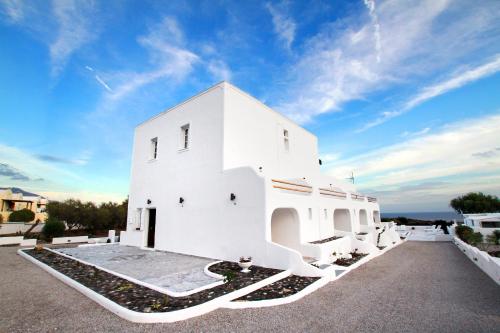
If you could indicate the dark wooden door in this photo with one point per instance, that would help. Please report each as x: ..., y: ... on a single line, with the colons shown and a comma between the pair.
x: 151, y: 227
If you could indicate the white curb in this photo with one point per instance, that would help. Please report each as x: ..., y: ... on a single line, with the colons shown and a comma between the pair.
x: 157, y: 317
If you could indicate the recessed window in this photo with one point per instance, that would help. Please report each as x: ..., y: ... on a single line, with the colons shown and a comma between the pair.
x: 286, y: 140
x: 138, y: 215
x: 154, y: 148
x: 185, y: 136
x: 310, y: 213
x: 326, y: 213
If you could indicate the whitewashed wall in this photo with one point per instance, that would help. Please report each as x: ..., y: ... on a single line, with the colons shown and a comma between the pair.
x: 231, y: 136
x: 13, y: 227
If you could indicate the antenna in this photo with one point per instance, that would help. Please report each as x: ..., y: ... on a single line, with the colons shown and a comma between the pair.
x: 352, y: 177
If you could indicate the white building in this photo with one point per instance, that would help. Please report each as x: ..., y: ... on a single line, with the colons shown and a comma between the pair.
x: 484, y: 223
x: 222, y: 175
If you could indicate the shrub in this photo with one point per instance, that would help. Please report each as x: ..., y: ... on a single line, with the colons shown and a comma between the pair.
x: 23, y: 215
x: 494, y: 238
x: 463, y: 232
x: 475, y: 238
x: 53, y: 228
x: 1, y: 218
x: 229, y: 276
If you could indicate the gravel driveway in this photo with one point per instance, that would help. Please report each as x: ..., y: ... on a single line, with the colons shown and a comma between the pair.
x: 416, y: 287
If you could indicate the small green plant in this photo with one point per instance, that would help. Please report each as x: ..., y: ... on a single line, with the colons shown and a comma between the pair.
x: 158, y: 304
x: 494, y: 238
x: 463, y: 232
x: 229, y: 276
x: 125, y: 286
x: 53, y: 228
x: 23, y: 215
x: 475, y: 238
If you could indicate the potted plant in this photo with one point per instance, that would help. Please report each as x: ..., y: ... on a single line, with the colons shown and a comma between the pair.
x: 333, y: 257
x: 245, y: 263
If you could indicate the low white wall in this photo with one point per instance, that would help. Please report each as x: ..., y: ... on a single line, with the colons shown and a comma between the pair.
x: 11, y: 240
x: 132, y: 238
x: 17, y: 240
x: 490, y: 265
x: 66, y: 240
x: 13, y: 227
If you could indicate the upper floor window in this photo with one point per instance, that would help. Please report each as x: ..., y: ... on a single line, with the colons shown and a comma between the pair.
x: 154, y: 148
x: 185, y: 136
x: 286, y: 140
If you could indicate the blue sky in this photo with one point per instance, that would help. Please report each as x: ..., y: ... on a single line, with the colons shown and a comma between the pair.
x: 405, y: 94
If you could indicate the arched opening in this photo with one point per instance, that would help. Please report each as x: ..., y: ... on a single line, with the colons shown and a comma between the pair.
x: 342, y: 220
x: 363, y: 217
x: 285, y: 228
x: 376, y: 216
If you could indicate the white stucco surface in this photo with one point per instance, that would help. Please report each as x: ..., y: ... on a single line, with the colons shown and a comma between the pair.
x: 248, y: 183
x: 172, y: 271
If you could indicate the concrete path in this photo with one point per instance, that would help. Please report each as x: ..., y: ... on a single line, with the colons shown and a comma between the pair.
x: 173, y: 271
x: 416, y: 287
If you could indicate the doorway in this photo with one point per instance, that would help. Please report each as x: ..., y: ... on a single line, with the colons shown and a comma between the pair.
x: 151, y: 227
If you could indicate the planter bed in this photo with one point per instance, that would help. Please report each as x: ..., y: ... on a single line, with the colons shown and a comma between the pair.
x: 348, y: 262
x: 142, y: 299
x: 326, y: 240
x: 279, y: 289
x: 495, y: 254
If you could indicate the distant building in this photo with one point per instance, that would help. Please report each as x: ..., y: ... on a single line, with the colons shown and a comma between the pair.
x: 484, y: 223
x: 13, y: 199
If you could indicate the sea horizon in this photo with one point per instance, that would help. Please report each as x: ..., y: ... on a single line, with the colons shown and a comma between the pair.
x: 429, y: 216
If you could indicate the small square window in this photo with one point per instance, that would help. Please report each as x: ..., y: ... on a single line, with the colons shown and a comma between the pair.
x: 185, y: 136
x: 154, y: 148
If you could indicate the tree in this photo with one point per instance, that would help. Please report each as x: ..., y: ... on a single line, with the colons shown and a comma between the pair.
x: 88, y: 215
x: 23, y: 215
x: 53, y: 228
x: 476, y: 203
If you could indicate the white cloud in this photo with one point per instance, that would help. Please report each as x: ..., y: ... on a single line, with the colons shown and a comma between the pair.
x: 417, y: 133
x: 96, y: 197
x: 169, y: 57
x: 284, y: 26
x: 426, y: 39
x: 64, y: 28
x: 451, y: 152
x: 219, y: 70
x: 14, y: 10
x: 424, y: 173
x: 74, y: 19
x: 370, y: 4
x: 102, y: 83
x: 457, y: 81
x: 433, y: 196
x: 34, y: 166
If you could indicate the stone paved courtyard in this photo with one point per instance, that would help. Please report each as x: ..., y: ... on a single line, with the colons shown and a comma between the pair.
x: 175, y: 272
x: 416, y: 287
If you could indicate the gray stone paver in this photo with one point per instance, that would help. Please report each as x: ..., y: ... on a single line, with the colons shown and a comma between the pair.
x: 173, y: 271
x: 416, y: 287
